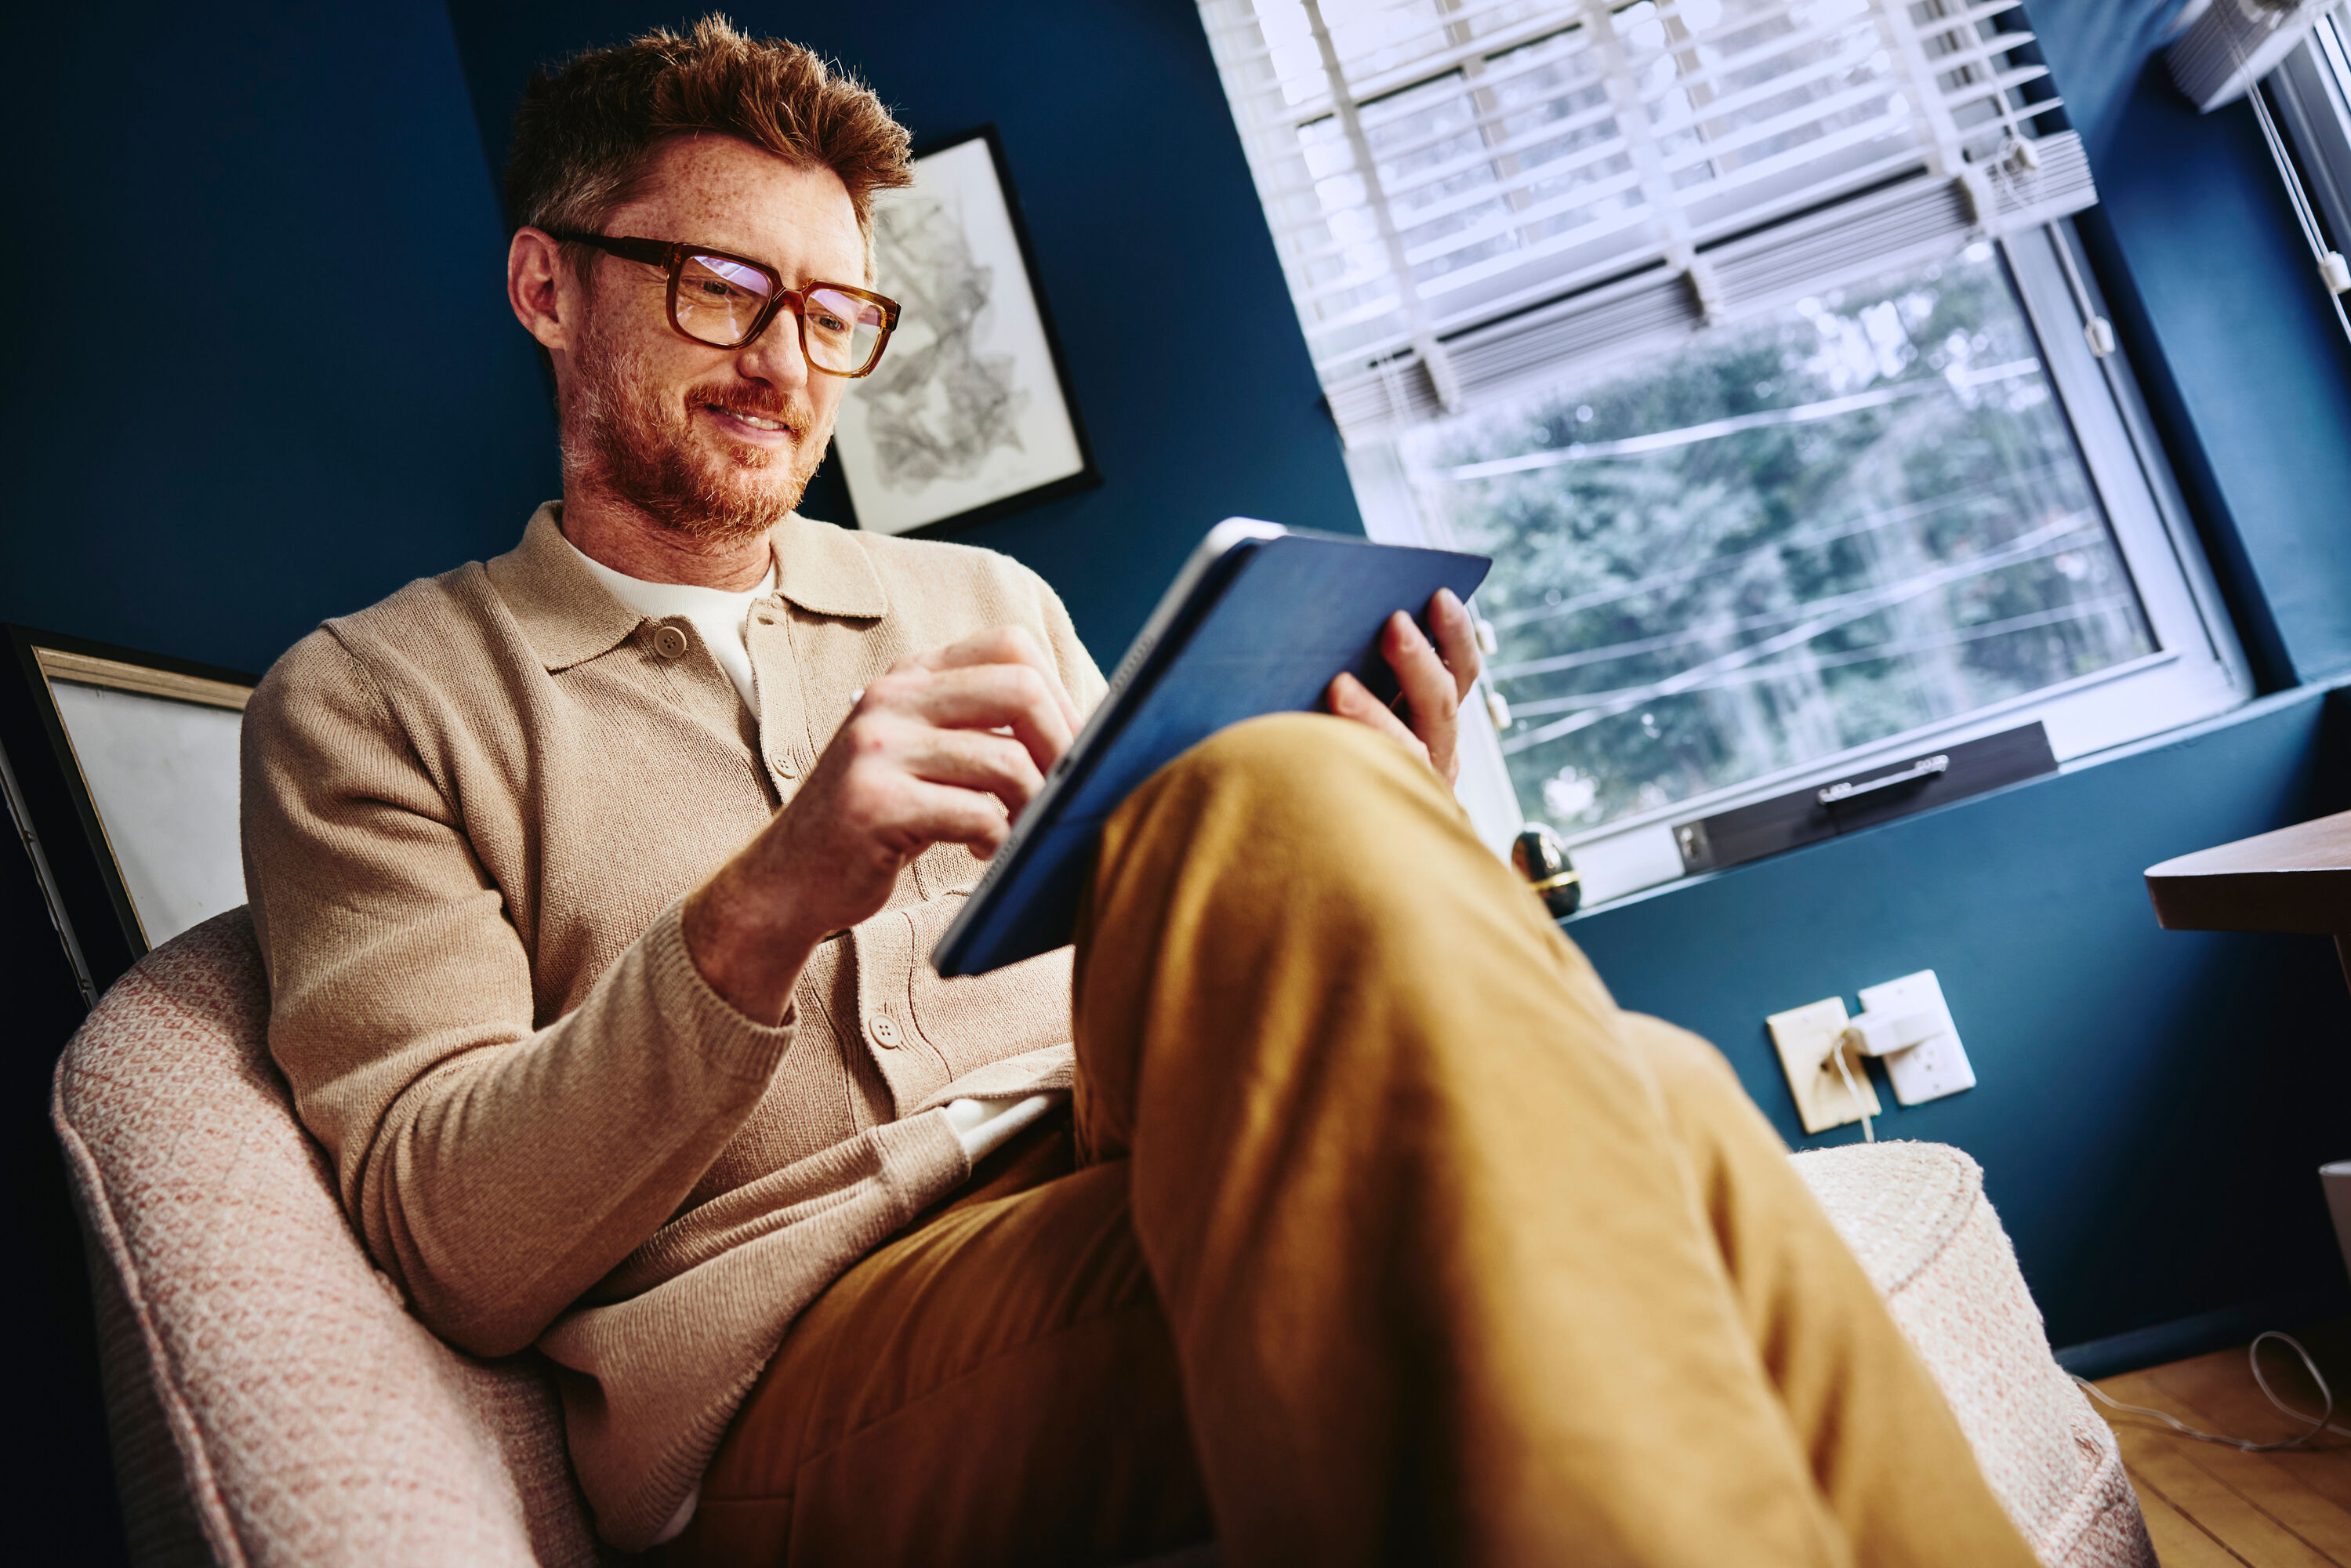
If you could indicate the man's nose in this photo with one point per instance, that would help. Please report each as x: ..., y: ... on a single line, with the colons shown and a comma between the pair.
x: 775, y: 355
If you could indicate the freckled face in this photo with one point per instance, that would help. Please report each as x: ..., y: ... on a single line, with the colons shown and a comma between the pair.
x: 712, y: 443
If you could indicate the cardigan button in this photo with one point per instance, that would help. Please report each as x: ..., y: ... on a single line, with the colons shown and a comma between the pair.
x: 669, y: 641
x: 785, y: 766
x: 884, y: 1030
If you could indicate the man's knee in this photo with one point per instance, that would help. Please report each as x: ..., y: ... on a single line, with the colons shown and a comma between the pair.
x: 1300, y: 776
x: 1288, y: 745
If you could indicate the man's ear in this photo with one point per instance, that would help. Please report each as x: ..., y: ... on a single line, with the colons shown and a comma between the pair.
x: 537, y: 285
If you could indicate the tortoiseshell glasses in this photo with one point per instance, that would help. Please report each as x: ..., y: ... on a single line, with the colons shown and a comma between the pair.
x: 726, y: 301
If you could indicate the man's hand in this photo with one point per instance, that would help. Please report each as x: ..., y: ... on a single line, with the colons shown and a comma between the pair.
x: 948, y: 748
x: 1435, y: 681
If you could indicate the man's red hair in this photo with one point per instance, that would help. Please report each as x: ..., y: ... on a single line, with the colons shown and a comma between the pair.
x: 585, y: 132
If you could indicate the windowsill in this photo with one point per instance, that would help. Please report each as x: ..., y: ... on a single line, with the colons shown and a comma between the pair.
x: 2184, y: 734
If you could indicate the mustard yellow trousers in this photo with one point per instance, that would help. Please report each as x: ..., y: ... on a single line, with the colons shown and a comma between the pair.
x: 1377, y: 1234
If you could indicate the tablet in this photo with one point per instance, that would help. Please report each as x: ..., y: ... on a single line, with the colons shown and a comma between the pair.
x: 1260, y: 620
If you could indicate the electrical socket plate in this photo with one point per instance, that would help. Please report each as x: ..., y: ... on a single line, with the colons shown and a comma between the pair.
x: 1937, y: 1065
x: 1803, y: 1036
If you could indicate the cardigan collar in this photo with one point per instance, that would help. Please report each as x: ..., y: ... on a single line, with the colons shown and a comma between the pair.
x: 827, y: 571
x: 569, y: 617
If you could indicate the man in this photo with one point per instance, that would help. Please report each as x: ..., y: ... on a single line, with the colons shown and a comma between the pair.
x: 595, y: 884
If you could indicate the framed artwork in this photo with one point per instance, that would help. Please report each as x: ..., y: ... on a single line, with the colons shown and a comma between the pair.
x: 968, y: 416
x: 120, y: 773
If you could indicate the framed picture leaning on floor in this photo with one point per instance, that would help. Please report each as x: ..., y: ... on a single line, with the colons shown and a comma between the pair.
x: 119, y: 771
x: 968, y: 416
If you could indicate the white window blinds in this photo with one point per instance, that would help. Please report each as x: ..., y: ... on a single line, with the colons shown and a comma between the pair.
x: 1463, y: 192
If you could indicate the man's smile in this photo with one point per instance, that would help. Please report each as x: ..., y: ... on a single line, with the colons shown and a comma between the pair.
x: 759, y: 429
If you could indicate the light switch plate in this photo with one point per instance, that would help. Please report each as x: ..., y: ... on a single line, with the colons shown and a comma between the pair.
x: 1803, y: 1036
x: 1937, y: 1065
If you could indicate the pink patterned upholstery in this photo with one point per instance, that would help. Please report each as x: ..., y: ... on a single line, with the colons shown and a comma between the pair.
x: 1916, y: 1217
x: 272, y: 1401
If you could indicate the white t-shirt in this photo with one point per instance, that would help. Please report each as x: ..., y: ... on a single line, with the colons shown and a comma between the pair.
x: 724, y: 619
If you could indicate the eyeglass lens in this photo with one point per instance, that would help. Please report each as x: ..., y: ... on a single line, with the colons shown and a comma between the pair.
x: 718, y: 301
x: 842, y: 331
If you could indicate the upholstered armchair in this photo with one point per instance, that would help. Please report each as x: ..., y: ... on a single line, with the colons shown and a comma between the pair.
x: 272, y: 1401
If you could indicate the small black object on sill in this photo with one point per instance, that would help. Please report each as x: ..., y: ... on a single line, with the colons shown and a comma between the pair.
x: 1537, y: 856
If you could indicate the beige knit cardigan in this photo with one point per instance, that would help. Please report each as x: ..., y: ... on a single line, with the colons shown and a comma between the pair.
x: 469, y: 815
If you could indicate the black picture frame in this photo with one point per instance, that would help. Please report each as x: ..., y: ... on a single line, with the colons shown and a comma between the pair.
x: 49, y: 800
x: 851, y: 457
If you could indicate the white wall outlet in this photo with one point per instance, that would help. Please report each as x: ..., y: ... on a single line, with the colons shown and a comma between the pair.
x: 1937, y: 1065
x: 1805, y: 1037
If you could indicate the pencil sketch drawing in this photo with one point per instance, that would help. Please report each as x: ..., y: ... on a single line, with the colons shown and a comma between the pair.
x: 968, y: 414
x: 936, y: 409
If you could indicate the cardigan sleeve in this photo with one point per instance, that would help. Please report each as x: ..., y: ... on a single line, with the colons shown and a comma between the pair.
x: 495, y: 1169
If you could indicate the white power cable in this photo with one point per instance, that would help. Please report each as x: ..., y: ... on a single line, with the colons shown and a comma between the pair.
x: 2322, y: 1422
x: 1868, y: 1132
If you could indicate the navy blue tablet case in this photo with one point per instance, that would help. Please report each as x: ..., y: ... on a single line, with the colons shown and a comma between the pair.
x: 1260, y: 621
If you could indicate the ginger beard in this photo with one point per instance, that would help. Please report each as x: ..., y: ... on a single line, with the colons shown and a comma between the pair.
x: 622, y: 436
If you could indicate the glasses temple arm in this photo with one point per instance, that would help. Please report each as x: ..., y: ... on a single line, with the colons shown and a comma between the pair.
x: 654, y: 251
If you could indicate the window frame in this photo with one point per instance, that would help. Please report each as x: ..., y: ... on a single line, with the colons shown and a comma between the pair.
x: 2311, y: 89
x: 2196, y: 670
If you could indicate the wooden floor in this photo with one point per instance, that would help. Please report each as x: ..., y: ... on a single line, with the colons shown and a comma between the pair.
x: 2212, y: 1505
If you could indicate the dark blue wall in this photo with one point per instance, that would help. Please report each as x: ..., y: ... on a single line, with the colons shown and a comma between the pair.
x: 2220, y: 307
x: 1139, y: 204
x: 2151, y: 1104
x: 2098, y: 50
x: 2222, y: 297
x: 261, y: 369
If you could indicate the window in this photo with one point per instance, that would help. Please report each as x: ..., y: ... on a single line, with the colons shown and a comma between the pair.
x: 1748, y: 337
x: 2312, y: 90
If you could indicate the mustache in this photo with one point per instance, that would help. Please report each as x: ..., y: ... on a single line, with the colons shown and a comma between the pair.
x: 747, y: 401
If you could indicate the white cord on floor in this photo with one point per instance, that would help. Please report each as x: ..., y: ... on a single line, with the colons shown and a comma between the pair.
x: 2321, y: 1422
